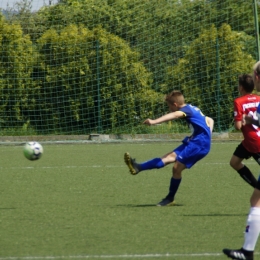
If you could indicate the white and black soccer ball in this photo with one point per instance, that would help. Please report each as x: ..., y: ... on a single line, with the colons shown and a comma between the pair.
x: 32, y: 151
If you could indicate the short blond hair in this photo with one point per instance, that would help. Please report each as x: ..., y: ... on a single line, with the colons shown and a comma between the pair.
x: 175, y: 97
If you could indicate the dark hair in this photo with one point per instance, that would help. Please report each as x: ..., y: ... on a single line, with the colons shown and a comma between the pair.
x: 246, y: 81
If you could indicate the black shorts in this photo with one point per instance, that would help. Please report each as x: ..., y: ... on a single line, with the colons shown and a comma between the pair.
x: 242, y: 152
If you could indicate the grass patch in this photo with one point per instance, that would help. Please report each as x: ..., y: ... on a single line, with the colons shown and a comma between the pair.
x: 80, y: 200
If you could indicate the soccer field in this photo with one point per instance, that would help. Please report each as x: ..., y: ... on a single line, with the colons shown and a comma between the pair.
x: 79, y: 202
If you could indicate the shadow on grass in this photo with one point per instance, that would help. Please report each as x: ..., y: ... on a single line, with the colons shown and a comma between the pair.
x: 214, y: 215
x: 146, y: 205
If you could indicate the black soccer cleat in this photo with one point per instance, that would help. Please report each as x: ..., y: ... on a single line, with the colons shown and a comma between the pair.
x: 238, y: 254
x: 166, y: 202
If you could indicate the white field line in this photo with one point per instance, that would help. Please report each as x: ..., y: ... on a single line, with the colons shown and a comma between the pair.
x: 112, y: 256
x: 97, y: 166
x: 115, y: 256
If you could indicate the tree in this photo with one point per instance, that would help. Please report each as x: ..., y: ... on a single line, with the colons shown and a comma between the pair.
x: 92, y: 76
x: 17, y: 89
x: 32, y: 23
x: 208, y: 73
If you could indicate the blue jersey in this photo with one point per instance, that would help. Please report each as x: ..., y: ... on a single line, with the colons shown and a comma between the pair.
x: 196, y: 120
x: 197, y: 146
x: 258, y: 113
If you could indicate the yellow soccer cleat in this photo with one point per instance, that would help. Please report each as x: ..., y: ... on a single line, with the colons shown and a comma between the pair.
x: 131, y: 164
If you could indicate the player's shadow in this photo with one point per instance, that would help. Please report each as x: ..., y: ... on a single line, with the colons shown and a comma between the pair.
x: 214, y: 215
x: 146, y: 205
x: 184, y: 215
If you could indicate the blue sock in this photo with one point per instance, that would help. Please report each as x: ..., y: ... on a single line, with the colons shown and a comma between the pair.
x: 152, y: 164
x: 174, y: 185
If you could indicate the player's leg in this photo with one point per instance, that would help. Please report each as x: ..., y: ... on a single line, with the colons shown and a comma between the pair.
x: 155, y: 163
x: 252, y: 229
x: 253, y: 220
x: 175, y: 182
x: 255, y: 198
x: 251, y: 235
x: 236, y: 163
x: 186, y: 156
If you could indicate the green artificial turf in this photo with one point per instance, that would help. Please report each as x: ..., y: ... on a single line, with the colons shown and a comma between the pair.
x: 79, y: 202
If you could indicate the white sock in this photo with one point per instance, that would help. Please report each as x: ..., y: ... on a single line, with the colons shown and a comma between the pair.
x: 252, y: 229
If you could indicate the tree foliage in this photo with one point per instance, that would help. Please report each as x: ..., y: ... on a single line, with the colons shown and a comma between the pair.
x: 16, y: 87
x: 105, y: 64
x: 208, y: 73
x: 91, y: 75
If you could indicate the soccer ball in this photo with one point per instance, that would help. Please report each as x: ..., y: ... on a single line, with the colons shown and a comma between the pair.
x: 32, y: 151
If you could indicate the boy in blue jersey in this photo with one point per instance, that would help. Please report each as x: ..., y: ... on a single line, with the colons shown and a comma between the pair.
x: 192, y: 149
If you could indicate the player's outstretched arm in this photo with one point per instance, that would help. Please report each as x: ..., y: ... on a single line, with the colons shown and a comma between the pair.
x: 165, y: 118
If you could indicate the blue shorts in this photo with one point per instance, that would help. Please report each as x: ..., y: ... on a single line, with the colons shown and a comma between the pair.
x: 191, y: 152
